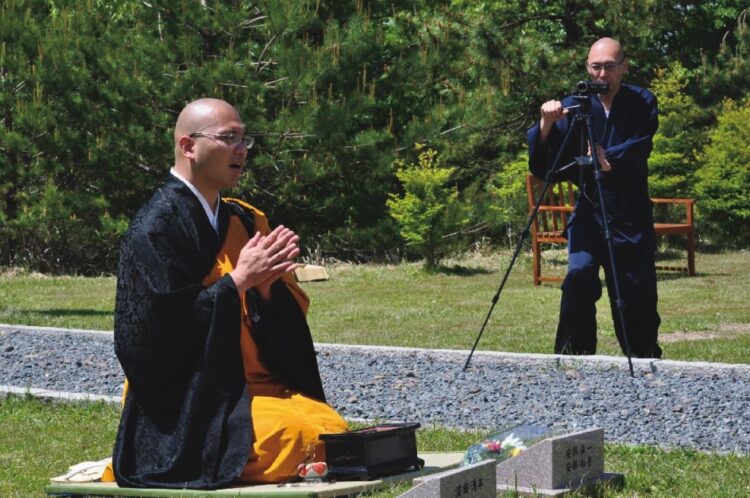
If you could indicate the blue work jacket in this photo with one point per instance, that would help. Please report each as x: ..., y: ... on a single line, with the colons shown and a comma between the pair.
x: 627, y: 137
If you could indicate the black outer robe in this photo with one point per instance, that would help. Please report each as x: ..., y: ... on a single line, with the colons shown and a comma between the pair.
x: 186, y: 418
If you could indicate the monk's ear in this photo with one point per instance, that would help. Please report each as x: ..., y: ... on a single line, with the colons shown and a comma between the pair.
x: 186, y: 145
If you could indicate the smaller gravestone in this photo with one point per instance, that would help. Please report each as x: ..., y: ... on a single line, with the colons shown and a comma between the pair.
x: 557, y: 465
x: 472, y: 481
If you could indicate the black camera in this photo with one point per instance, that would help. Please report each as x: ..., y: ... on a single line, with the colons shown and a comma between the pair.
x: 591, y: 87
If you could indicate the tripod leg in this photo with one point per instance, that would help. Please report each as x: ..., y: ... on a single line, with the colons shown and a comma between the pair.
x: 524, y: 235
x: 617, y: 296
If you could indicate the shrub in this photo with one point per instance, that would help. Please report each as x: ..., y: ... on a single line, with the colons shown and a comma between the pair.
x: 424, y: 212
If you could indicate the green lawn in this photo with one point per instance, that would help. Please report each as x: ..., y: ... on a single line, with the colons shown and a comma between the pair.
x: 40, y: 439
x: 704, y: 318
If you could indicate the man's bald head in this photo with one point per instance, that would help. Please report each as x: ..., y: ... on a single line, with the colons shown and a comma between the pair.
x: 607, y: 45
x: 607, y: 64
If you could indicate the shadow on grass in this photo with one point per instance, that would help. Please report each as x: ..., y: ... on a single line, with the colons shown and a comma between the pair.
x: 669, y: 253
x: 64, y: 312
x: 665, y: 275
x: 458, y: 270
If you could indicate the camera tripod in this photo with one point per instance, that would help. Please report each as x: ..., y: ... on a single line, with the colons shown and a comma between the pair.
x: 582, y: 114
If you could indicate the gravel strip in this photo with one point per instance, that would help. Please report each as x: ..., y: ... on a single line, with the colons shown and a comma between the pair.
x: 703, y: 406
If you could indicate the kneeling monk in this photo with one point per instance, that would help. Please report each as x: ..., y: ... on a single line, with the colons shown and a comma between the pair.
x: 210, y: 328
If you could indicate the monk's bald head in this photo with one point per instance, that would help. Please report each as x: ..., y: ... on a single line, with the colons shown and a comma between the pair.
x: 202, y: 114
x: 208, y: 135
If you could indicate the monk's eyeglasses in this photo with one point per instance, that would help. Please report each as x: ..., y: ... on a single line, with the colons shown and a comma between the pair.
x: 231, y: 139
x: 607, y: 66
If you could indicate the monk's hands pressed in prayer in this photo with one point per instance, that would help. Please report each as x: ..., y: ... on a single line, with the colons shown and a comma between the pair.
x: 264, y: 259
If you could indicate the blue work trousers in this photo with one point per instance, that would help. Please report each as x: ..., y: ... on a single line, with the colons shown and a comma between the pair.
x: 587, y: 252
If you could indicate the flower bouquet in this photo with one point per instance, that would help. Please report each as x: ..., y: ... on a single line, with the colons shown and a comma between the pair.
x: 505, y: 444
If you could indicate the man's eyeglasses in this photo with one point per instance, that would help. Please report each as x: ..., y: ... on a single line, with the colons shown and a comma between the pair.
x: 608, y: 66
x: 231, y: 139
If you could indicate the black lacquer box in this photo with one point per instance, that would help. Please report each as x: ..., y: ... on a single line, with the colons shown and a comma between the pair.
x: 372, y: 452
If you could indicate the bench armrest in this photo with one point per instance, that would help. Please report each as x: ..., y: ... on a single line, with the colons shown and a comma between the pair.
x: 661, y: 200
x: 688, y: 203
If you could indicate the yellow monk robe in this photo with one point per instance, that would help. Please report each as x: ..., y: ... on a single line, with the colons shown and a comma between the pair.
x: 286, y: 423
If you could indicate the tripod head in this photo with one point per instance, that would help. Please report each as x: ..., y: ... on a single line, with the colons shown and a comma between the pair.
x: 591, y: 87
x: 582, y: 97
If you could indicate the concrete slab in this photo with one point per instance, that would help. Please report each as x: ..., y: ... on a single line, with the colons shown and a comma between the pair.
x: 434, y: 462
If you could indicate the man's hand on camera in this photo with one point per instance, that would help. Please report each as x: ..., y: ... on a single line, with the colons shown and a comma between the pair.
x: 551, y: 111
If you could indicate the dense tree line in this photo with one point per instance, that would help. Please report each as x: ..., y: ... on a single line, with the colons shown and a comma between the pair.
x: 337, y: 95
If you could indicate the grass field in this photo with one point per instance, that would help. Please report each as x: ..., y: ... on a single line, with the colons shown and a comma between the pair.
x: 704, y: 318
x: 40, y: 439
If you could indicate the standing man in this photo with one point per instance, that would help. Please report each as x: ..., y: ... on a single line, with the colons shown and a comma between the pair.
x: 624, y: 121
x: 210, y: 328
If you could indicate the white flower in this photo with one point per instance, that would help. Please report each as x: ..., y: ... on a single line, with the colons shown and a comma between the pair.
x: 513, y: 441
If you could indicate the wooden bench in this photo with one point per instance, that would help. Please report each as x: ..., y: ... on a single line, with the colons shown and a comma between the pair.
x: 557, y: 206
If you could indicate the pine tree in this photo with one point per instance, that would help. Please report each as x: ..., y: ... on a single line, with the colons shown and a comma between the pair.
x: 724, y: 179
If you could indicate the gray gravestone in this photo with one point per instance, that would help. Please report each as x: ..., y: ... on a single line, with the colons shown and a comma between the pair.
x: 557, y: 465
x: 473, y: 481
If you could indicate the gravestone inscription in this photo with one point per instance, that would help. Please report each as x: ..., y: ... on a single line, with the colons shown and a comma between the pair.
x: 557, y: 465
x: 472, y: 481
